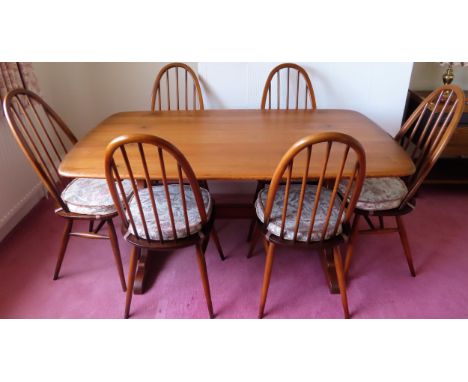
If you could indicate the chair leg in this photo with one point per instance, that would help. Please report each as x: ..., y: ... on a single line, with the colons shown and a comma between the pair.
x: 98, y: 228
x: 214, y: 236
x: 266, y: 244
x: 266, y: 279
x: 381, y: 222
x: 203, y: 184
x: 253, y: 222
x: 204, y: 277
x: 404, y: 241
x: 351, y: 241
x: 131, y: 280
x: 253, y: 225
x: 254, y: 240
x: 116, y: 252
x: 341, y: 280
x: 63, y: 247
x: 369, y: 222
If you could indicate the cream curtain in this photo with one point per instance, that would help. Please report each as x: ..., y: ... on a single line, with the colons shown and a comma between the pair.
x: 17, y: 75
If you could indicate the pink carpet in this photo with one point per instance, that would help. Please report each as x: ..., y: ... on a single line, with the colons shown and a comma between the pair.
x: 380, y: 285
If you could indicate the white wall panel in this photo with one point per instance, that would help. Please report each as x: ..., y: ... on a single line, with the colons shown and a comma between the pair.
x: 20, y: 188
x: 378, y: 90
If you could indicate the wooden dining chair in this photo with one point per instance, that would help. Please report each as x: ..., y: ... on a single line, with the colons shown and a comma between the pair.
x: 423, y: 136
x: 288, y: 87
x: 45, y: 139
x: 185, y: 92
x: 310, y: 212
x: 163, y: 216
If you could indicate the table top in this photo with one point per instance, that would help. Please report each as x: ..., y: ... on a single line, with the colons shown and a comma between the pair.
x: 238, y: 144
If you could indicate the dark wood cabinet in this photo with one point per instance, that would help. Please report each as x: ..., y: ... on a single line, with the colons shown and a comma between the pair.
x: 452, y: 166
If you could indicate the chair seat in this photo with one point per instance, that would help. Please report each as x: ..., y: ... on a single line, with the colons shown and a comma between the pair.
x: 274, y: 227
x: 194, y: 219
x: 88, y: 196
x: 379, y: 194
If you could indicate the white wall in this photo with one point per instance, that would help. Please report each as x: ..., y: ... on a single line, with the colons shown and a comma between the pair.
x: 85, y: 93
x: 428, y: 76
x: 20, y: 188
x: 378, y: 90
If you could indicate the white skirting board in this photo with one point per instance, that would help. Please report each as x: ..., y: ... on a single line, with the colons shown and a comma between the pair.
x: 20, y: 209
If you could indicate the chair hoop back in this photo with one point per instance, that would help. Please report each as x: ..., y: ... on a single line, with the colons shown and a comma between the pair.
x: 143, y: 160
x: 352, y: 167
x: 42, y: 135
x: 294, y: 98
x: 427, y: 131
x: 188, y: 94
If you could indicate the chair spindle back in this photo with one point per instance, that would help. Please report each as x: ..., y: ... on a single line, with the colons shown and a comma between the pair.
x: 293, y: 79
x: 185, y: 85
x: 427, y: 131
x: 143, y: 159
x: 42, y: 135
x: 351, y: 167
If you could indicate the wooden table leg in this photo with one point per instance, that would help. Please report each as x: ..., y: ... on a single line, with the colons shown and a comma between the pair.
x: 328, y: 264
x: 142, y: 268
x: 326, y: 259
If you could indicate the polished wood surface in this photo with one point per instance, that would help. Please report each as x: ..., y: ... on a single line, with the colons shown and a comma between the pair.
x: 452, y: 166
x: 424, y: 135
x: 45, y: 140
x: 186, y: 92
x: 299, y: 95
x: 353, y: 155
x: 420, y: 95
x: 238, y: 144
x: 296, y: 81
x: 458, y: 144
x: 427, y: 131
x: 329, y: 235
x: 162, y: 237
x: 43, y: 137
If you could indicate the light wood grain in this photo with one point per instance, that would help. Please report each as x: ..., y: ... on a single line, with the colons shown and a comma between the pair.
x: 238, y: 144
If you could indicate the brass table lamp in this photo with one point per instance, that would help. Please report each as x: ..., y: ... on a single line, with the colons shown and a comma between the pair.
x: 448, y: 76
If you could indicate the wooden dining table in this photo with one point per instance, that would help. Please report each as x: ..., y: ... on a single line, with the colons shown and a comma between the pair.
x: 238, y: 145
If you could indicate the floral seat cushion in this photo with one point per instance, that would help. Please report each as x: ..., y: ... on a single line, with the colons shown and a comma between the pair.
x: 379, y: 194
x: 90, y: 196
x: 274, y: 227
x: 163, y: 212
